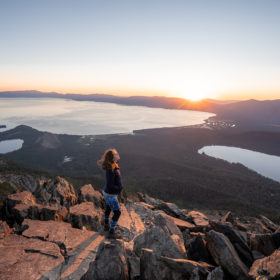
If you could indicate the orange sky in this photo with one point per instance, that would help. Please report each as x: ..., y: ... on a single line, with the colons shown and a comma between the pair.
x: 122, y: 91
x: 215, y: 49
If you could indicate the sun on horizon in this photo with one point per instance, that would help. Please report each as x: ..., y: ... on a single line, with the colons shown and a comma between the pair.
x: 172, y: 48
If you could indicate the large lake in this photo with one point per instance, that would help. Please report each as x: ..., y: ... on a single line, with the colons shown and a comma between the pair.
x: 264, y: 164
x: 89, y: 118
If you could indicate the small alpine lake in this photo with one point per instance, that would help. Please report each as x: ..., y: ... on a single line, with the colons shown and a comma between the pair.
x: 264, y: 164
x: 7, y: 146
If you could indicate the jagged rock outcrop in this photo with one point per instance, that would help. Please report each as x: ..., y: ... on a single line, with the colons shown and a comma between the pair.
x: 197, y: 250
x: 265, y: 243
x: 134, y: 267
x: 157, y: 267
x: 86, y: 215
x: 145, y: 212
x: 22, y: 205
x: 267, y: 268
x: 174, y: 211
x: 21, y: 182
x: 17, y: 205
x: 4, y: 229
x: 164, y: 238
x: 130, y: 223
x: 228, y: 218
x: 225, y: 255
x: 237, y: 240
x: 216, y: 274
x: 88, y: 193
x: 133, y: 261
x: 48, y: 240
x: 54, y: 212
x: 61, y: 233
x: 183, y: 224
x: 149, y: 200
x: 24, y: 197
x: 268, y: 223
x: 46, y: 190
x: 260, y: 225
x: 199, y: 219
x: 57, y: 235
x: 255, y: 226
x: 110, y: 262
x: 29, y: 258
x: 58, y: 191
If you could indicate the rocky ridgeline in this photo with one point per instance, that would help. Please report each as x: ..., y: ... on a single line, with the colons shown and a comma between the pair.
x: 55, y: 233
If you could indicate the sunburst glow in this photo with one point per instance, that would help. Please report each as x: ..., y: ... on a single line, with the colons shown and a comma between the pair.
x: 167, y: 48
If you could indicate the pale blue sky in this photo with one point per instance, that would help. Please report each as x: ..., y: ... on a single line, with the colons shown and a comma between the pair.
x: 218, y: 48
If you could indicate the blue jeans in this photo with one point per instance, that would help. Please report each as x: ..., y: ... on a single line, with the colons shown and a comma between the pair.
x: 111, y: 204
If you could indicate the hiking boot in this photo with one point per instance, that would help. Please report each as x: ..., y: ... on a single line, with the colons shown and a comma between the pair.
x: 114, y: 235
x: 106, y: 227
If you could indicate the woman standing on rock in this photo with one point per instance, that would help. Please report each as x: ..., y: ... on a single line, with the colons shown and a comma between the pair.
x: 109, y: 162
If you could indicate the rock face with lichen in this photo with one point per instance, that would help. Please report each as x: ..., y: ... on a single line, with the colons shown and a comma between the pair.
x: 85, y: 214
x: 110, y: 262
x: 58, y: 191
x: 225, y: 255
x: 55, y: 233
x: 89, y: 193
x: 268, y: 267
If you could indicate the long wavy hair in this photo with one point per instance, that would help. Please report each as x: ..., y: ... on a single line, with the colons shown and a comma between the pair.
x: 108, y: 158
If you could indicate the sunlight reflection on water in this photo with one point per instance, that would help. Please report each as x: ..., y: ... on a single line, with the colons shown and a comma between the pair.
x: 87, y: 117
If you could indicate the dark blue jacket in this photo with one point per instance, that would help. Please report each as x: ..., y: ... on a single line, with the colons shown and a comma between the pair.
x: 113, y: 180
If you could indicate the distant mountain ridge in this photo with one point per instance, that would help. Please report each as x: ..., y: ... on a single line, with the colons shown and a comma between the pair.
x: 265, y: 113
x: 148, y: 101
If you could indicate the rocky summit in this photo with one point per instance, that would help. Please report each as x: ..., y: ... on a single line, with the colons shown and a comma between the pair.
x: 55, y: 232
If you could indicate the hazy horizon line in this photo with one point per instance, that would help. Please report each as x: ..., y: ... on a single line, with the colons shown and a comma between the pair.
x: 136, y: 95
